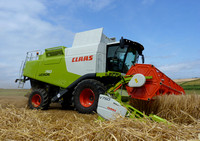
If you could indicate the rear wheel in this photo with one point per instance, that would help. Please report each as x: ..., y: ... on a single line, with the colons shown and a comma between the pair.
x: 38, y: 99
x: 86, y: 95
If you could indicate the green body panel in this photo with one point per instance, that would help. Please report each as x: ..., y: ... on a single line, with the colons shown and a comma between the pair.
x: 53, y: 60
x: 109, y: 74
x: 50, y: 68
x: 30, y: 69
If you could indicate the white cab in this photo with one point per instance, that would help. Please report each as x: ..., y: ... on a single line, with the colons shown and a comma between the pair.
x: 88, y: 52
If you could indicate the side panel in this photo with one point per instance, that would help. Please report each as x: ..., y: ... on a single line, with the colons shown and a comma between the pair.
x: 53, y: 60
x: 31, y: 68
x: 55, y: 74
x: 100, y: 63
x: 51, y: 70
x: 101, y: 58
x: 88, y: 59
x: 81, y: 61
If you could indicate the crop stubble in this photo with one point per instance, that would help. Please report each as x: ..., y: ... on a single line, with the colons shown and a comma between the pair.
x: 19, y: 123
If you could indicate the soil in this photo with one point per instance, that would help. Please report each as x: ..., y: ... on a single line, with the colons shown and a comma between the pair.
x: 21, y: 102
x: 17, y: 101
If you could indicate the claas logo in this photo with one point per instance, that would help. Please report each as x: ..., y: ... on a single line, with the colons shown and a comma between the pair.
x: 82, y: 58
x: 111, y: 109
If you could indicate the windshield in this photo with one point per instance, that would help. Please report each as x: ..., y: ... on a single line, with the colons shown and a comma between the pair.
x: 131, y: 58
x: 121, y: 59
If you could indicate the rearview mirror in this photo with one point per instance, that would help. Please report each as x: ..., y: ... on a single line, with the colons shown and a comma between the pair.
x: 122, y: 43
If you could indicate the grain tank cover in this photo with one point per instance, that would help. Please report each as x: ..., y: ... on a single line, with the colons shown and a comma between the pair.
x: 55, y: 51
x: 91, y: 37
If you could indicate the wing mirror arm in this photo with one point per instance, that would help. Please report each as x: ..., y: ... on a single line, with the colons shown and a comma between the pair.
x: 142, y: 59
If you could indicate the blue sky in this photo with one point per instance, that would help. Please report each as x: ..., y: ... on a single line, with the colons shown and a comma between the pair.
x: 168, y: 29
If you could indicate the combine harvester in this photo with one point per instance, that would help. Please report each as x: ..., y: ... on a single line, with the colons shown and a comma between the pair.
x: 90, y: 75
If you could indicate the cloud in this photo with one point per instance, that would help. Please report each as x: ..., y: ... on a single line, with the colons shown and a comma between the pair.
x: 31, y: 8
x: 182, y: 70
x: 176, y: 67
x: 96, y: 5
x: 23, y: 29
x: 71, y: 5
x: 31, y: 25
x: 161, y: 57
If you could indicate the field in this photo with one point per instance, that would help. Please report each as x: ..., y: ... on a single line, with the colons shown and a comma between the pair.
x: 191, y: 86
x: 17, y: 122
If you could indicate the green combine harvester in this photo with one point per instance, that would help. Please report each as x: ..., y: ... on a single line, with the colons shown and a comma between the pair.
x: 91, y: 75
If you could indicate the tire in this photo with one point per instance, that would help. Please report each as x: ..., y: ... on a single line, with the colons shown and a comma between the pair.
x: 86, y: 95
x: 39, y: 99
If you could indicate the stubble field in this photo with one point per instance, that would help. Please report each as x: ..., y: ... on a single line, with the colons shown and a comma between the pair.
x: 17, y: 122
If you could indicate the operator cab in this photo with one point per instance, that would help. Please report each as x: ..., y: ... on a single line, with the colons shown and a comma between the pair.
x: 121, y: 56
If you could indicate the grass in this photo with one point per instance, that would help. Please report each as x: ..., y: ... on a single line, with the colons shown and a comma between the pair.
x: 192, y: 82
x: 191, y: 85
x: 192, y: 92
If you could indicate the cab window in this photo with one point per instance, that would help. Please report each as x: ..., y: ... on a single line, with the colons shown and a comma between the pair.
x: 120, y: 59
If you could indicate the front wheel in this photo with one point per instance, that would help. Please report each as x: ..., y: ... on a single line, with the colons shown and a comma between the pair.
x: 38, y: 99
x: 86, y: 95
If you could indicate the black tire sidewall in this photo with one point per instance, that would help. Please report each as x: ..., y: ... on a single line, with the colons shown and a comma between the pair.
x: 41, y: 93
x: 91, y: 84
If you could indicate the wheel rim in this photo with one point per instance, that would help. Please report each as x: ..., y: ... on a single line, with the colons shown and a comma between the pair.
x: 87, y: 97
x: 36, y: 100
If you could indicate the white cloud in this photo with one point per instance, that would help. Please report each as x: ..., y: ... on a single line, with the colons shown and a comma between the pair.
x: 96, y: 5
x: 182, y: 70
x: 29, y: 25
x: 32, y: 7
x: 175, y: 67
x: 161, y: 57
x: 22, y: 29
x: 71, y: 5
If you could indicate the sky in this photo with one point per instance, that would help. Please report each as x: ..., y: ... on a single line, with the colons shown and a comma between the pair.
x: 169, y: 30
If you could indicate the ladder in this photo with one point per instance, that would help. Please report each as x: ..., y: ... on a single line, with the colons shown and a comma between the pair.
x: 30, y: 56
